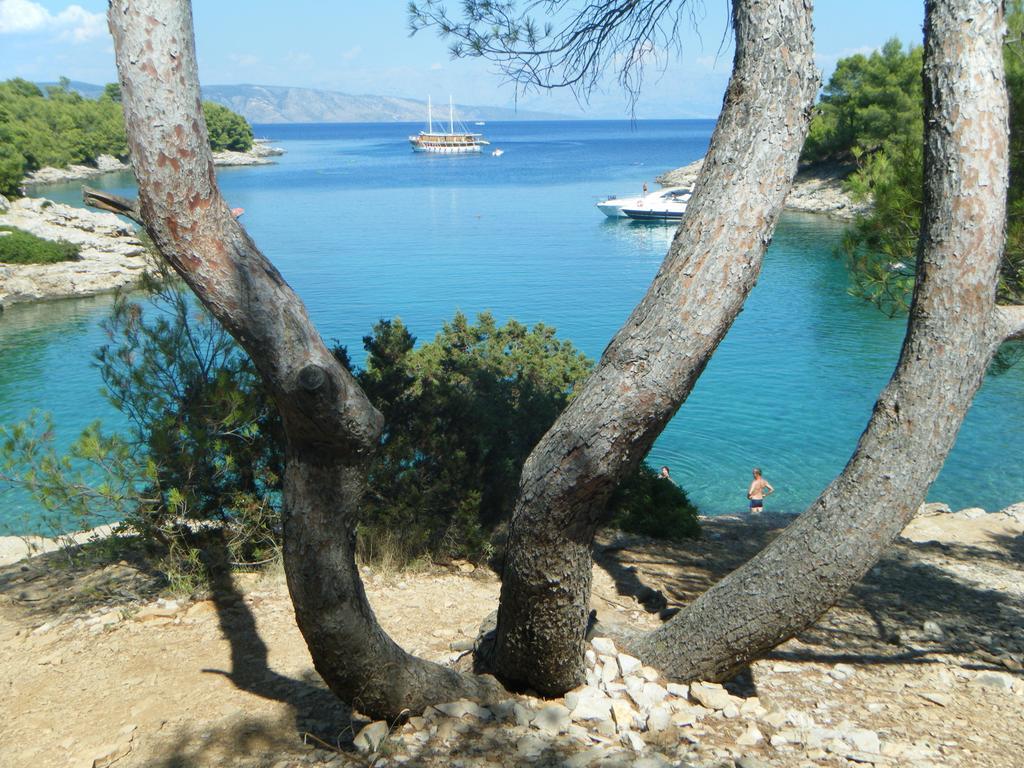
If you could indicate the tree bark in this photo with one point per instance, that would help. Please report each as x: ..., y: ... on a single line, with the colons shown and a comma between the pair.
x: 954, y: 330
x: 654, y: 360
x: 331, y: 428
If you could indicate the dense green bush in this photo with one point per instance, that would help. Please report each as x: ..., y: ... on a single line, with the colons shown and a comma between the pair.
x: 654, y: 506
x: 20, y: 247
x: 867, y: 101
x: 61, y: 128
x: 462, y: 413
x: 871, y: 114
x: 57, y: 129
x: 228, y: 130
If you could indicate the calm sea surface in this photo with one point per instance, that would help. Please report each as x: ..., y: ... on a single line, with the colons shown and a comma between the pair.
x: 365, y: 229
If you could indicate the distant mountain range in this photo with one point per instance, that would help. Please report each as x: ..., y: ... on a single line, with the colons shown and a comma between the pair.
x: 282, y: 104
x: 277, y: 104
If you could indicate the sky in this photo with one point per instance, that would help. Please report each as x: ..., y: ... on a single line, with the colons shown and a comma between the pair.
x: 365, y: 48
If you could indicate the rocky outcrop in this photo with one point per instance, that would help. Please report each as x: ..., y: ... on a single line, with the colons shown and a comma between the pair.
x: 817, y: 189
x: 112, y: 256
x: 104, y: 164
x: 260, y: 154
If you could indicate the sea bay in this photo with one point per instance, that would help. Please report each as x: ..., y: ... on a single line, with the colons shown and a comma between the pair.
x: 365, y: 229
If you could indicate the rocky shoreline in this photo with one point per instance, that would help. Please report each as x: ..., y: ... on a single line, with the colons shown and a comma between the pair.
x: 260, y: 154
x: 816, y: 189
x: 111, y: 257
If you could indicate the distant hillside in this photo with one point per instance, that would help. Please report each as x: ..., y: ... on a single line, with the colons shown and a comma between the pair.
x: 282, y: 104
x: 278, y: 104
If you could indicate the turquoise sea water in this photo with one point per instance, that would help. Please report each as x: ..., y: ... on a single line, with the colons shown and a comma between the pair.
x: 363, y: 229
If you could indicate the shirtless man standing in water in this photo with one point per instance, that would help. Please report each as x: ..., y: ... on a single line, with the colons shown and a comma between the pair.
x: 759, y: 488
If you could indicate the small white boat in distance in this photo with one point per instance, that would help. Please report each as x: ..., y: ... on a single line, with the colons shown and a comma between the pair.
x: 450, y: 143
x: 498, y: 152
x: 667, y: 199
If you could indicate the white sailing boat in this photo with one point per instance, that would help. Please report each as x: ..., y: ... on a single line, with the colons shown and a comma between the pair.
x: 446, y: 143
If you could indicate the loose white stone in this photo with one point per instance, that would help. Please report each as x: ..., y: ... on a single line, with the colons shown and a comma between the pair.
x: 371, y: 736
x: 650, y: 674
x: 710, y: 696
x: 465, y: 708
x: 591, y: 704
x: 609, y: 669
x: 503, y: 710
x: 658, y: 719
x: 688, y: 715
x: 863, y: 740
x: 1000, y: 681
x: 590, y: 657
x: 584, y: 758
x: 624, y: 715
x: 628, y: 664
x: 552, y: 719
x: 677, y: 689
x: 841, y: 672
x: 606, y: 728
x: 530, y: 746
x: 603, y: 646
x: 750, y: 737
x: 523, y: 715
x: 632, y: 740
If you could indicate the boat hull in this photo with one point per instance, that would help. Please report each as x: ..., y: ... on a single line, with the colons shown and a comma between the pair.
x: 652, y: 215
x: 467, y: 150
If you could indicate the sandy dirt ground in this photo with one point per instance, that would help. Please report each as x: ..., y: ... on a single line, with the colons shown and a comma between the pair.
x: 98, y: 669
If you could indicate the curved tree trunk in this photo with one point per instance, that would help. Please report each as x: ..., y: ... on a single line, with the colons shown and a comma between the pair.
x: 653, y: 362
x: 331, y: 428
x: 954, y: 329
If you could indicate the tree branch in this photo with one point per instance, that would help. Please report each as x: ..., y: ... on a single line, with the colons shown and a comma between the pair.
x: 329, y: 424
x: 652, y: 364
x: 950, y: 341
x: 108, y: 201
x: 1011, y: 317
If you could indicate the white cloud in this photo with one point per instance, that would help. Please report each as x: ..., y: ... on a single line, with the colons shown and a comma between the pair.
x: 352, y: 53
x: 73, y: 23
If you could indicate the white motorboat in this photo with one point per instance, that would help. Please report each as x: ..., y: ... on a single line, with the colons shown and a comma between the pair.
x: 667, y: 207
x: 451, y: 142
x: 668, y: 200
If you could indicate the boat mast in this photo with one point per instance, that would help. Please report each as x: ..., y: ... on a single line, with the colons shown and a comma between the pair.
x: 430, y: 119
x: 451, y: 115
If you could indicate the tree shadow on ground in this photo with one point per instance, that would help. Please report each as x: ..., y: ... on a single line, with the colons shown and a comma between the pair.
x: 882, y: 620
x: 316, y: 710
x: 116, y: 575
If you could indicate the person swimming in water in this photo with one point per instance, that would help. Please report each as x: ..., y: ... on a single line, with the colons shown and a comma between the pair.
x: 759, y: 488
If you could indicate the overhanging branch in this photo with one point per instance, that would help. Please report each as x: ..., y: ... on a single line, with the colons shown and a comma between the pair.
x: 107, y: 201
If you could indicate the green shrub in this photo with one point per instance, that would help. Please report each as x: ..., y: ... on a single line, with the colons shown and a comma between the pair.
x: 652, y: 506
x: 61, y: 128
x: 20, y: 247
x: 228, y: 130
x: 205, y: 444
